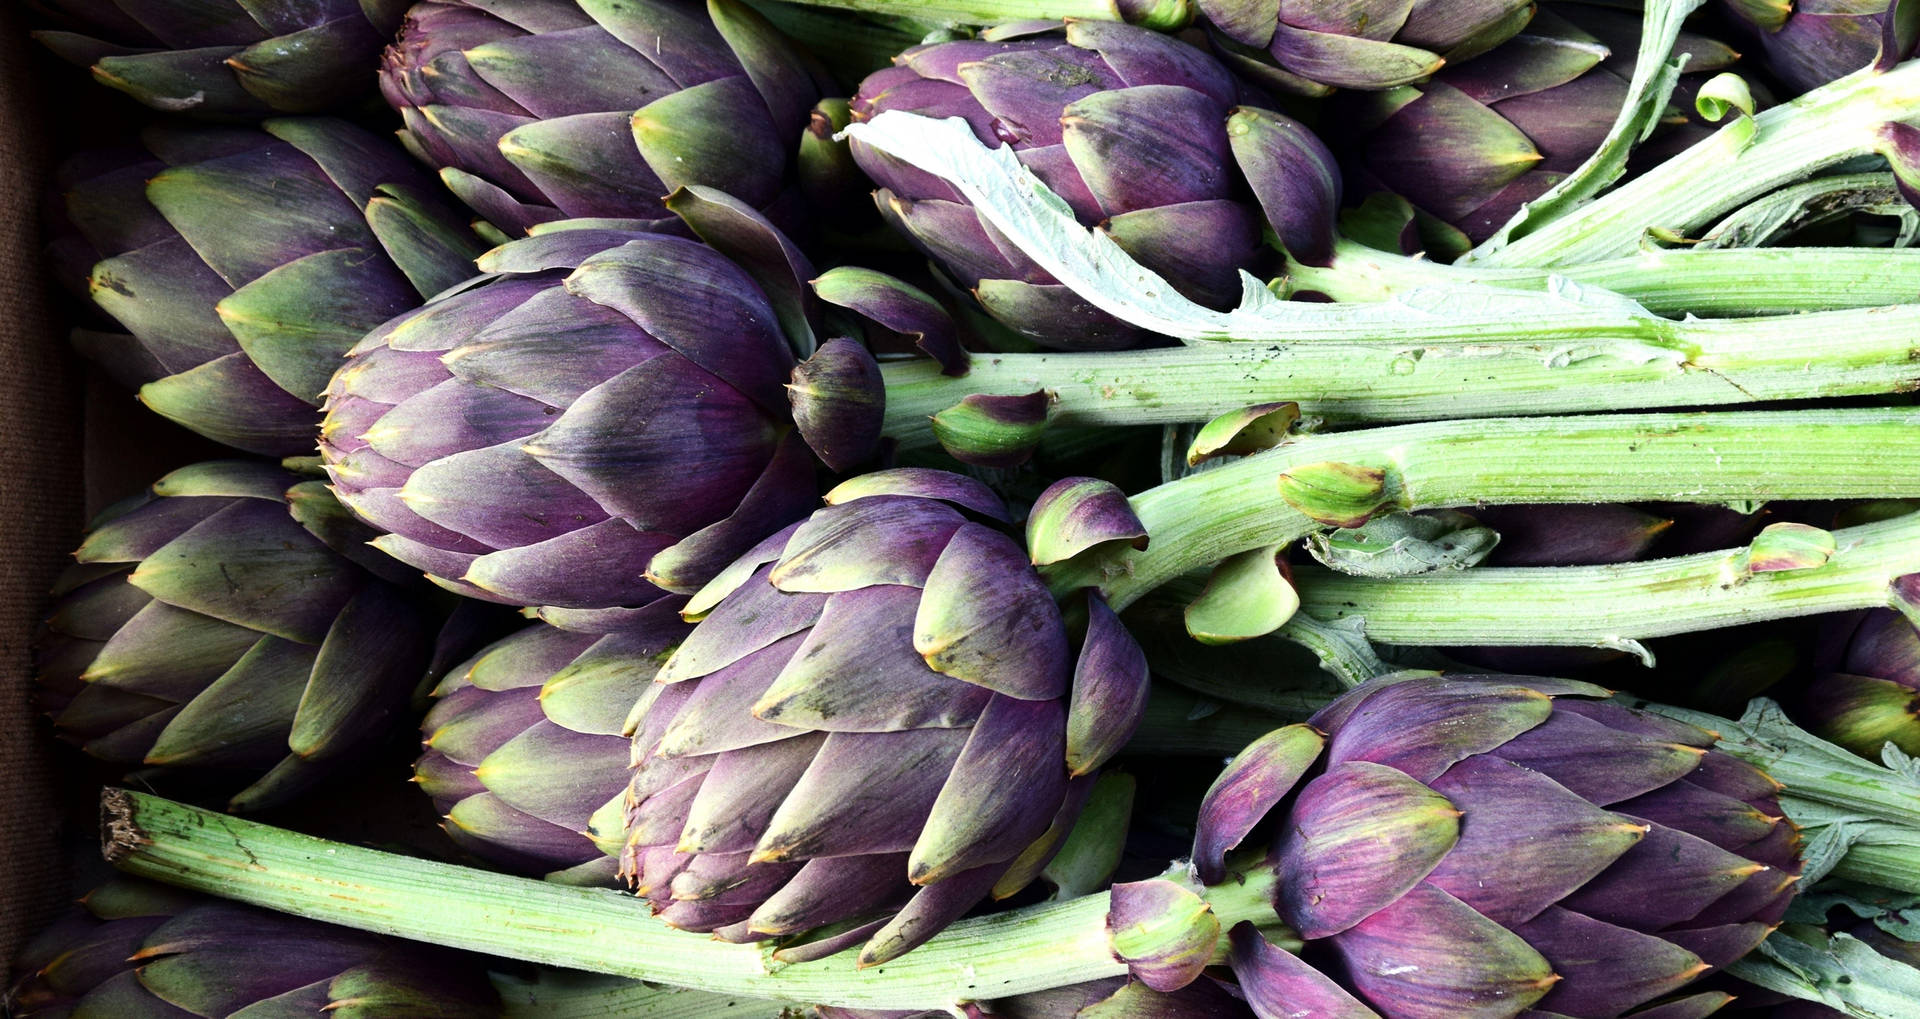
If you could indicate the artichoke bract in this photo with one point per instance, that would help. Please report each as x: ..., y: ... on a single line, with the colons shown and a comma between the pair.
x: 226, y: 60
x: 244, y: 262
x: 1809, y: 44
x: 1496, y: 846
x: 1868, y: 694
x: 601, y: 416
x: 135, y: 949
x: 204, y: 627
x: 526, y: 752
x: 1127, y: 125
x: 535, y: 111
x: 1313, y: 46
x: 1479, y: 140
x: 881, y: 718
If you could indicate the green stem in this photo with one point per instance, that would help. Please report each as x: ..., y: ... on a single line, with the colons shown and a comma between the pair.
x: 565, y: 994
x: 1833, y: 123
x: 1887, y: 862
x: 1613, y: 605
x: 1713, y: 282
x: 604, y: 931
x: 1705, y: 457
x: 1162, y: 14
x: 1589, y: 359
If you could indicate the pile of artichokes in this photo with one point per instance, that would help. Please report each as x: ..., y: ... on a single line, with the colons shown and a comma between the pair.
x: 1061, y: 508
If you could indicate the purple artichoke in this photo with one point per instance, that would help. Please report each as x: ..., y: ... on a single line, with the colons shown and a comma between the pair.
x: 226, y: 60
x: 540, y: 111
x: 204, y: 627
x: 880, y: 718
x: 600, y: 417
x: 1313, y: 46
x: 526, y: 752
x: 1869, y: 693
x: 1811, y: 42
x: 1496, y: 846
x: 1479, y: 140
x: 135, y: 949
x: 242, y: 263
x: 1128, y: 126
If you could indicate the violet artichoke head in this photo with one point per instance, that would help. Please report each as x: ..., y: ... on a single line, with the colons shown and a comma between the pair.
x: 1127, y: 125
x: 1808, y: 43
x: 1313, y: 46
x: 1500, y: 846
x: 133, y: 950
x: 1472, y: 145
x: 601, y: 416
x: 242, y: 263
x: 526, y: 751
x: 204, y: 627
x: 1869, y: 695
x: 881, y: 718
x: 538, y: 111
x: 226, y: 60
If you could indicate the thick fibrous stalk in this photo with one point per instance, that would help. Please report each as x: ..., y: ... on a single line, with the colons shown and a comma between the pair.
x: 1461, y: 373
x: 1708, y: 457
x: 1606, y: 605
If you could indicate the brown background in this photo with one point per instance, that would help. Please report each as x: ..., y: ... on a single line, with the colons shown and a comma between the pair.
x: 41, y: 488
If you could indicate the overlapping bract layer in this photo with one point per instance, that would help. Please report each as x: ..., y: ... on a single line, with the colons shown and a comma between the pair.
x: 226, y: 59
x: 1129, y: 126
x: 1808, y: 43
x: 544, y: 435
x: 244, y: 262
x: 1312, y: 46
x: 134, y: 949
x: 873, y: 724
x: 526, y: 753
x: 205, y: 627
x: 1497, y: 846
x: 536, y: 111
x: 1869, y: 694
x: 1479, y: 140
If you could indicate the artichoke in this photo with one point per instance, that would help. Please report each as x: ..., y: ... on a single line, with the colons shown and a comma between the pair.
x: 1495, y: 846
x: 203, y: 626
x: 242, y: 263
x: 880, y: 718
x: 602, y: 413
x: 526, y: 753
x: 226, y: 60
x: 1128, y: 126
x: 1868, y: 694
x: 539, y: 111
x: 1479, y: 140
x: 1313, y: 46
x: 135, y: 949
x: 1808, y: 44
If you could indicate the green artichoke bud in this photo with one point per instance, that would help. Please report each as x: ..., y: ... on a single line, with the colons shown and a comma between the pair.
x: 540, y: 111
x: 203, y: 627
x: 226, y: 60
x: 242, y: 263
x: 134, y: 950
